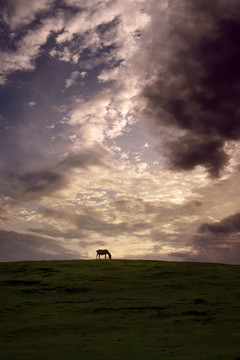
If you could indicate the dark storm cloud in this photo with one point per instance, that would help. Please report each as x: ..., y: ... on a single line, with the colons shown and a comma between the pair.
x: 216, y: 242
x: 197, y: 87
x: 191, y: 151
x: 15, y: 246
x: 228, y: 225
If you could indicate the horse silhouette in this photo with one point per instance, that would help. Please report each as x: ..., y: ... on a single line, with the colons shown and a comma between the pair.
x: 103, y: 252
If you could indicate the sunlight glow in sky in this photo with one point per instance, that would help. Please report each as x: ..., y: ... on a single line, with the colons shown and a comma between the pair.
x: 119, y: 129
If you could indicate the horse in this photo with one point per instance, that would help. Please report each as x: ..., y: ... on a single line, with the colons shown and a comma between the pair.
x: 103, y: 252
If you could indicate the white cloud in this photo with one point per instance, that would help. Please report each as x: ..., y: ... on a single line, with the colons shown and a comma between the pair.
x: 101, y: 117
x: 108, y: 113
x: 87, y: 20
x: 28, y: 48
x: 32, y: 103
x: 72, y: 79
x: 22, y: 12
x: 83, y: 74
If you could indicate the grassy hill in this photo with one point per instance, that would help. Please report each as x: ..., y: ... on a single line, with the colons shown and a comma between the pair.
x: 119, y: 309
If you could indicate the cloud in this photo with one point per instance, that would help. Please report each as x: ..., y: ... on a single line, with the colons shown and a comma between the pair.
x: 77, y: 165
x: 6, y: 215
x: 54, y: 232
x: 191, y: 151
x: 228, y: 225
x: 218, y: 241
x: 103, y: 116
x: 91, y: 221
x: 16, y: 246
x: 48, y: 182
x: 193, y: 82
x: 87, y: 19
x: 27, y: 48
x: 18, y: 13
x: 32, y: 103
x: 93, y: 156
x: 34, y: 184
x: 72, y: 79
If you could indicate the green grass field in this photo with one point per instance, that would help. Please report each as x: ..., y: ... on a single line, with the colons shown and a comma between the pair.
x: 119, y: 309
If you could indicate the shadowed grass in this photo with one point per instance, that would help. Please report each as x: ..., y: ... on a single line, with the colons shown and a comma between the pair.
x: 119, y: 309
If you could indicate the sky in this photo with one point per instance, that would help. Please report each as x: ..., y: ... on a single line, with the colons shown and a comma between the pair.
x: 120, y: 129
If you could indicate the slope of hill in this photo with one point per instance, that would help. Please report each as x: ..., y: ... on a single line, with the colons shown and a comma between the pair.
x: 119, y: 309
